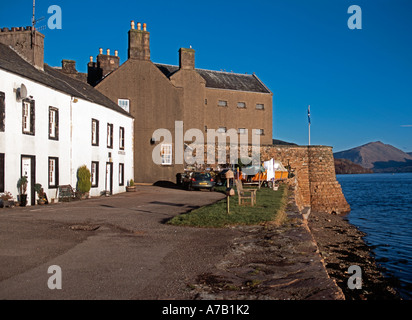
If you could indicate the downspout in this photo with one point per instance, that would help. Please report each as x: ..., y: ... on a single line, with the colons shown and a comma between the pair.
x: 72, y: 100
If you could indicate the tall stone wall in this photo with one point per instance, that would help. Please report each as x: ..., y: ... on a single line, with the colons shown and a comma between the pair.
x: 314, y: 182
x: 315, y: 175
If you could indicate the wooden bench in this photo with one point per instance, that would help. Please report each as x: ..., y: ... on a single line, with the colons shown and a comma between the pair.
x: 67, y: 193
x: 248, y: 195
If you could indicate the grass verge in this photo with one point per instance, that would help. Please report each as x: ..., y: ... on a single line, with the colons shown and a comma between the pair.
x: 270, y: 206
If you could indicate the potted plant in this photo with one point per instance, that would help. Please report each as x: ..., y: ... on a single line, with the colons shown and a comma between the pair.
x: 22, y: 186
x: 6, y: 200
x: 131, y: 187
x: 83, y: 181
x: 40, y: 192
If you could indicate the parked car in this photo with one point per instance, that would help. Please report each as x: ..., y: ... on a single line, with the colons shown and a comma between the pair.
x: 199, y: 180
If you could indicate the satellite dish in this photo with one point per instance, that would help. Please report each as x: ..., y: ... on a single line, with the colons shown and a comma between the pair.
x: 21, y: 92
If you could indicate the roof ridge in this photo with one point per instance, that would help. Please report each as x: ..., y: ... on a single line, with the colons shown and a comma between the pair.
x: 202, y: 69
x: 226, y: 72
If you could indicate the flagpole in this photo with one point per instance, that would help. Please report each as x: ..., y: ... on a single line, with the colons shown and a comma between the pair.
x: 309, y: 121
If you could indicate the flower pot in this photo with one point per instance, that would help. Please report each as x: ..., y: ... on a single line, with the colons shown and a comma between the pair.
x: 131, y: 189
x: 23, y: 200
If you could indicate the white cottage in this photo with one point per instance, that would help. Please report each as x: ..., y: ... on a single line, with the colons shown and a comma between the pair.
x: 51, y: 124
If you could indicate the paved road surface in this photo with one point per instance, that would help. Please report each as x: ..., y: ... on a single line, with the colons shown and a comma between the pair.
x: 131, y: 255
x: 119, y: 247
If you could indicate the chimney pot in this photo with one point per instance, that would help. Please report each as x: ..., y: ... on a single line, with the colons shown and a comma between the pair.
x: 91, y: 58
x: 139, y: 43
x: 132, y: 24
x: 116, y: 52
x: 100, y: 50
x: 108, y: 52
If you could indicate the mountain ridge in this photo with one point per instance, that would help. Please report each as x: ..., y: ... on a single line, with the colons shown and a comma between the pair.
x: 378, y: 157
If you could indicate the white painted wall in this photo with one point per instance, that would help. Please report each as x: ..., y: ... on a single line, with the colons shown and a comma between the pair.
x: 74, y: 146
x: 85, y: 153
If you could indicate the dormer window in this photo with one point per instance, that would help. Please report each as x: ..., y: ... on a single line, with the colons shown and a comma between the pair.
x: 124, y: 104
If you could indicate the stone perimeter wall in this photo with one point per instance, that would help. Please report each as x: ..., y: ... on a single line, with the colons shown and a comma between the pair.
x: 316, y: 184
x: 315, y: 181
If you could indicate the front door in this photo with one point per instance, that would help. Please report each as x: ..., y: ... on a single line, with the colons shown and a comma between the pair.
x: 109, y: 177
x: 2, y: 172
x: 28, y: 169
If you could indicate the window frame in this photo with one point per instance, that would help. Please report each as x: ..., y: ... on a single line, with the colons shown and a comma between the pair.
x: 55, y: 172
x: 260, y: 108
x: 56, y: 123
x: 224, y: 130
x: 109, y: 135
x: 121, y: 138
x: 168, y: 156
x: 94, y: 170
x: 30, y: 115
x: 121, y: 174
x: 95, y: 132
x: 244, y: 105
x: 225, y: 105
x: 260, y: 132
x: 123, y: 106
x: 242, y: 131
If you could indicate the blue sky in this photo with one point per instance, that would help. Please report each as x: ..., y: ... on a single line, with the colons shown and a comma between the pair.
x: 357, y: 82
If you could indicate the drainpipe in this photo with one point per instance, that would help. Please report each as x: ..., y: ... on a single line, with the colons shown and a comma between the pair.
x: 71, y: 140
x: 72, y: 100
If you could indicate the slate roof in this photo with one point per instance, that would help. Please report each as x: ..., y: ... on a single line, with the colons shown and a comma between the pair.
x: 53, y: 78
x: 222, y: 80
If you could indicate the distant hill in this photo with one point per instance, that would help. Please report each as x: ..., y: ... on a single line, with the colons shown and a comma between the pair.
x: 344, y: 166
x: 280, y: 142
x: 379, y: 157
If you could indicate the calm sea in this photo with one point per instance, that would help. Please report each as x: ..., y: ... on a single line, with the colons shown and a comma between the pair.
x: 382, y: 208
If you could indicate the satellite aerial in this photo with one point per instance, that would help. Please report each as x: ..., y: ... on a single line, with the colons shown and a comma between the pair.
x: 21, y: 92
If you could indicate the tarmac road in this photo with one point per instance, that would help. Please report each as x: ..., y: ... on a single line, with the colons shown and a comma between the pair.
x: 114, y: 247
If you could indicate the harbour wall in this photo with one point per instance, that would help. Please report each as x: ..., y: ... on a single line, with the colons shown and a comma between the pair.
x: 314, y: 179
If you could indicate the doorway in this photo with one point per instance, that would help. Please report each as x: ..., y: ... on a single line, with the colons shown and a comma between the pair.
x: 28, y: 169
x: 109, y: 177
x: 2, y: 172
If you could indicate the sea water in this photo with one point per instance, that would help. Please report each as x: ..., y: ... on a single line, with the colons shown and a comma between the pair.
x: 381, y: 207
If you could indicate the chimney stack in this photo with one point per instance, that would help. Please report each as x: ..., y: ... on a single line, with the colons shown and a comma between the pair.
x: 105, y: 63
x: 28, y: 42
x: 139, y: 42
x: 69, y: 66
x: 186, y: 59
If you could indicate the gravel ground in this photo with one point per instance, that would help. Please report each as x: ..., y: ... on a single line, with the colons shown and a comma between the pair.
x: 341, y: 245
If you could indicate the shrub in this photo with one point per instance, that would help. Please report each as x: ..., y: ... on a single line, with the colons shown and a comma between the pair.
x: 83, y: 179
x: 22, y: 185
